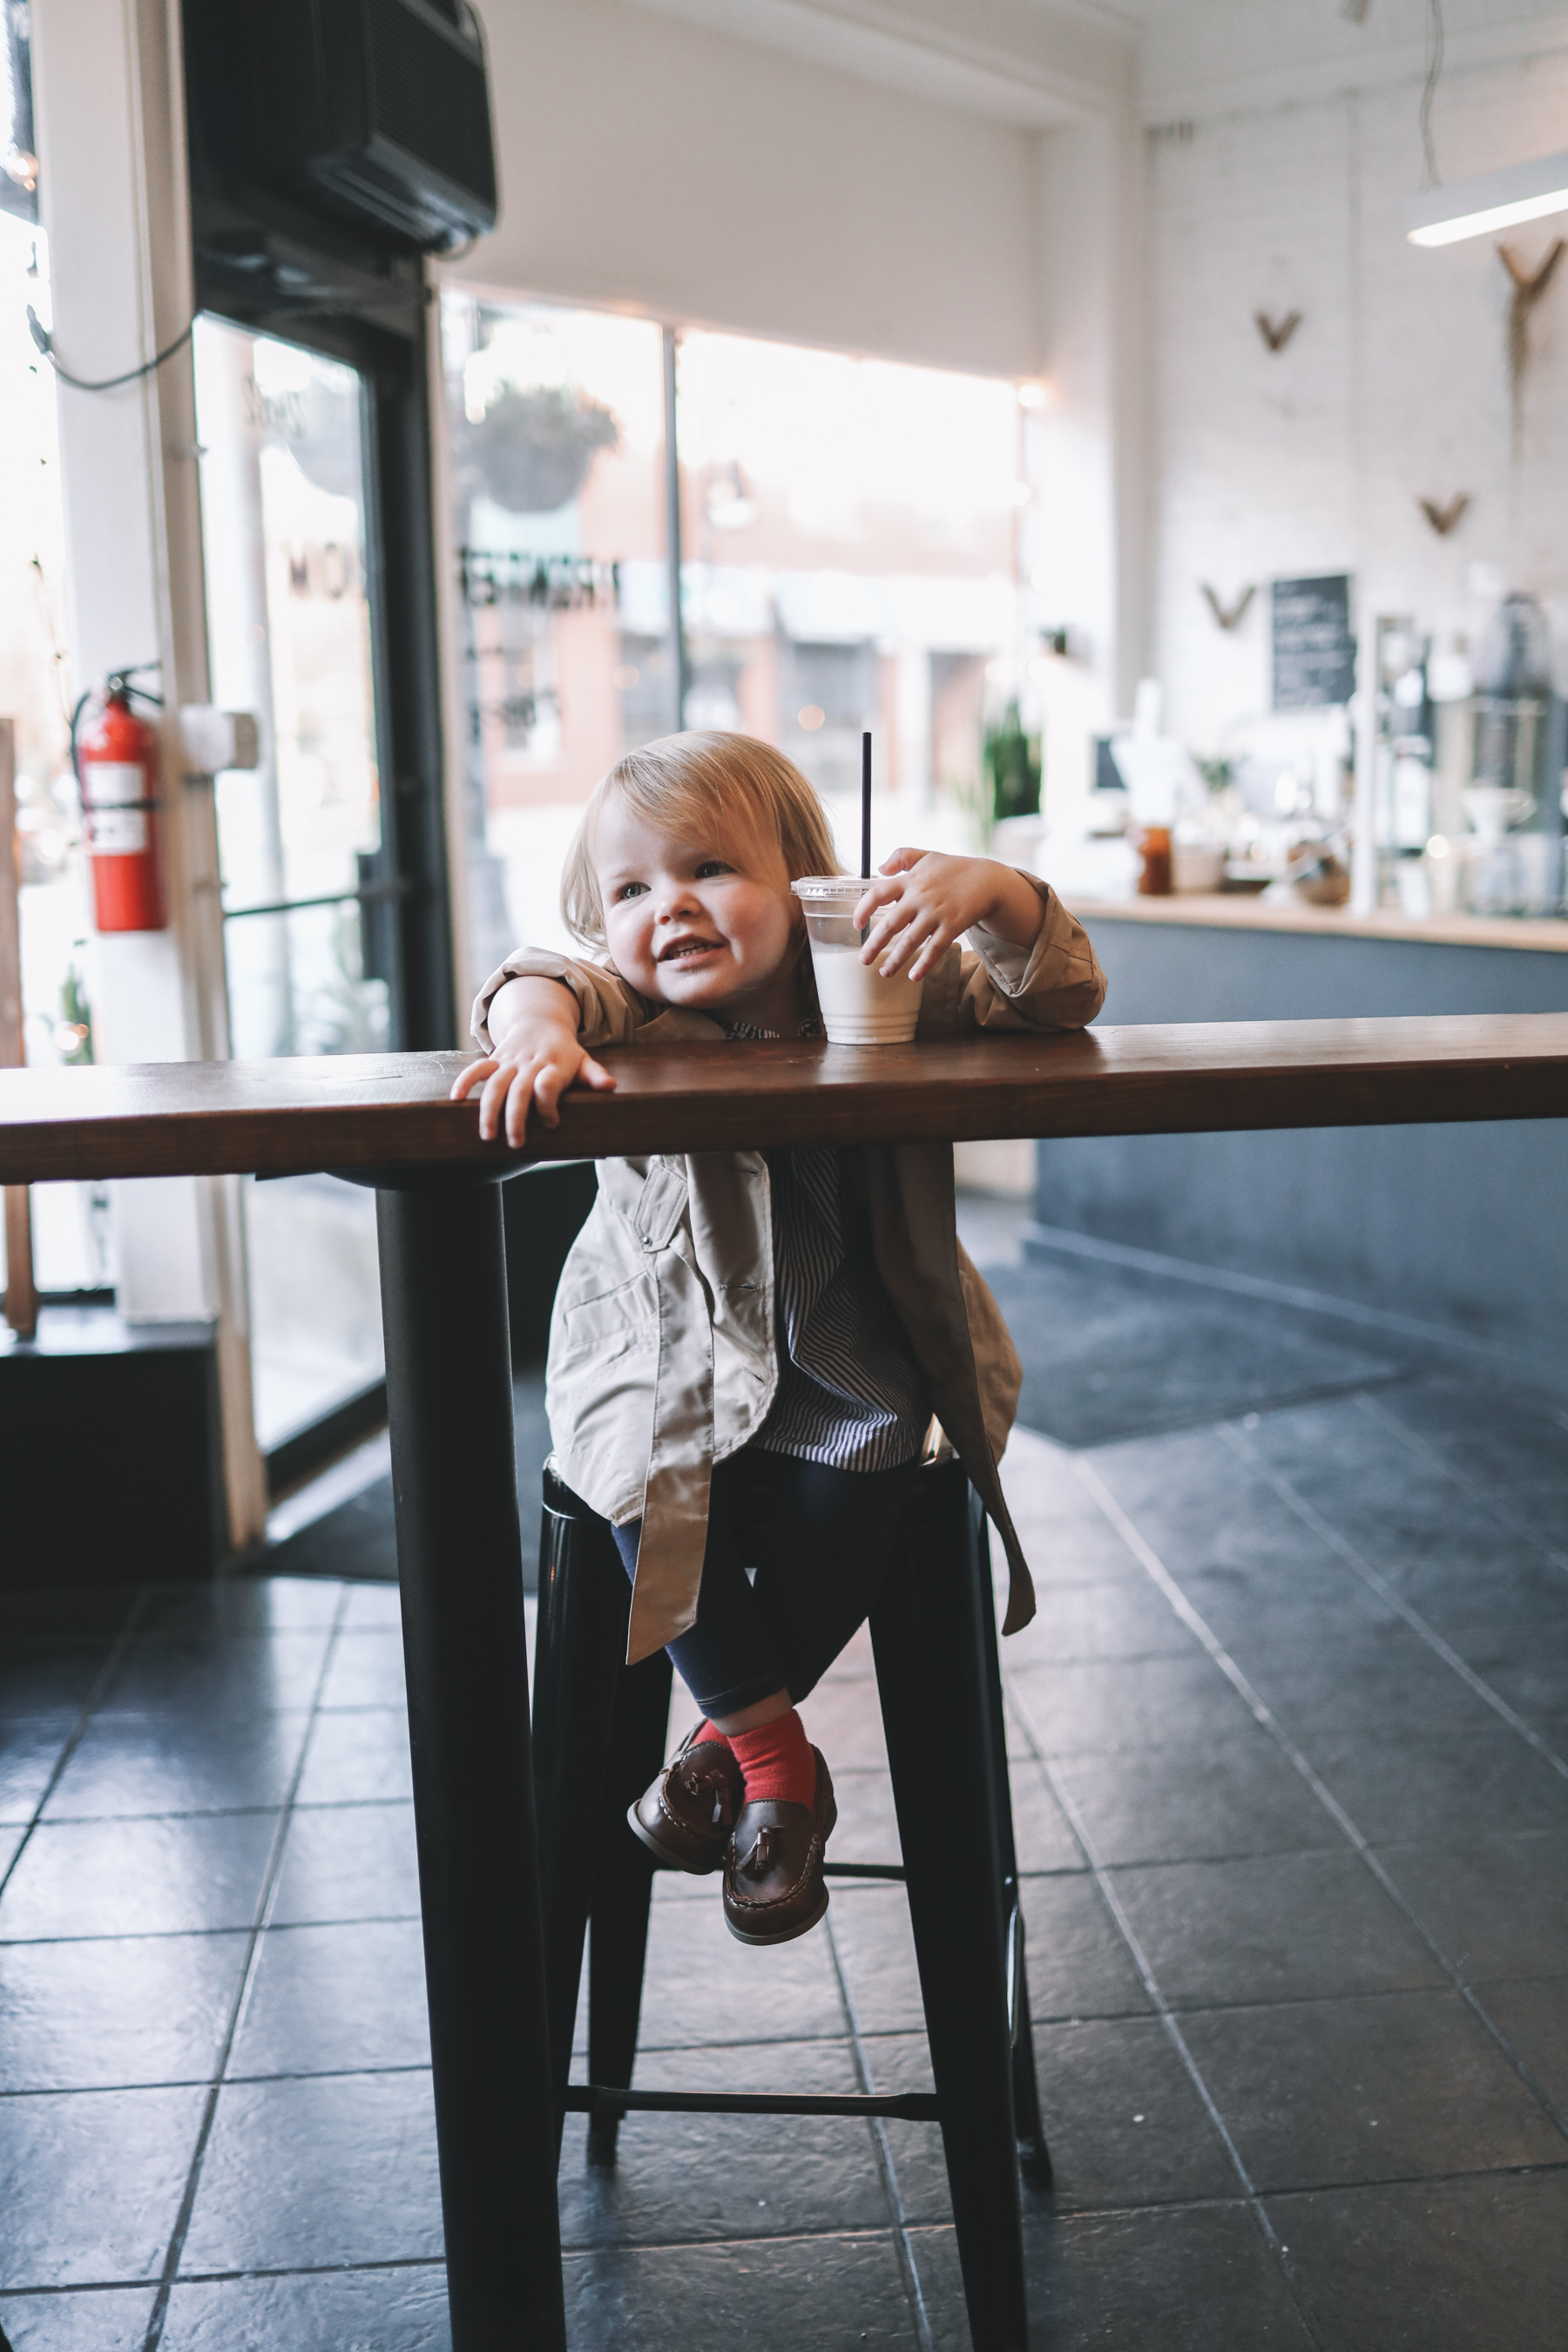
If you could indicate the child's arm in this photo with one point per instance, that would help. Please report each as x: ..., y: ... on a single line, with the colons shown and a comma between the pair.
x: 1032, y: 964
x: 536, y: 1054
x: 928, y: 901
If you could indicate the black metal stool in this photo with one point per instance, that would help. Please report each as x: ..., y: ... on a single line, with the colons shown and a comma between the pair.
x: 600, y: 1729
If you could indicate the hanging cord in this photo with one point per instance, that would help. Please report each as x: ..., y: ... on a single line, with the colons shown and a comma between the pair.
x: 46, y: 344
x: 1435, y: 45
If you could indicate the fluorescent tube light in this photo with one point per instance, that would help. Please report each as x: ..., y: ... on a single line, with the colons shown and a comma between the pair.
x: 1524, y: 192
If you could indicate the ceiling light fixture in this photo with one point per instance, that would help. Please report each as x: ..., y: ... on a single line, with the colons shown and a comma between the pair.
x: 1494, y: 200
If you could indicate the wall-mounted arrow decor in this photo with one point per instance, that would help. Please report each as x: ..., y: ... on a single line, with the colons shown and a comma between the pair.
x: 1276, y: 333
x: 1444, y: 519
x: 1228, y: 617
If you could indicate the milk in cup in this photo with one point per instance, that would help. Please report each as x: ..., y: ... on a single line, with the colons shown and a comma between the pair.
x: 858, y: 1006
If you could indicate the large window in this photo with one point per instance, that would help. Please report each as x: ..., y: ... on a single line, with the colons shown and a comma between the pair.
x: 285, y: 519
x: 849, y: 541
x: 283, y: 511
x: 849, y: 530
x: 558, y: 458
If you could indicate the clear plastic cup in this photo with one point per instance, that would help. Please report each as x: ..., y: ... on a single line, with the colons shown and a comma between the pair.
x: 858, y: 1006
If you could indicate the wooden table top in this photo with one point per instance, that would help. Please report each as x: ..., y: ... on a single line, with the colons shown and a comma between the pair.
x: 380, y: 1110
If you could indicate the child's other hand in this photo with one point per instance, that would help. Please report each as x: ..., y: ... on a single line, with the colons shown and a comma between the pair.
x: 921, y: 901
x: 535, y: 1070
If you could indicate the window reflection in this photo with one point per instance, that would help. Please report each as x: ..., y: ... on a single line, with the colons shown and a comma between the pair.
x: 849, y: 535
x: 284, y: 505
x: 283, y: 513
x: 556, y: 420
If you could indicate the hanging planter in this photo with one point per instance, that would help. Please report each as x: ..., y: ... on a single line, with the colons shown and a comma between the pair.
x: 531, y: 451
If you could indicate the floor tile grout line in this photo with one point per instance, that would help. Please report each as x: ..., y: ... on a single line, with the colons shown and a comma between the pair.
x: 438, y: 2261
x: 1160, y: 1575
x: 266, y: 1899
x: 914, y: 2293
x: 52, y: 2288
x: 42, y: 2289
x: 101, y: 1681
x: 1075, y: 2017
x: 190, y: 1813
x: 1375, y: 1581
x: 1478, y: 1488
x: 1168, y: 2019
x: 224, y: 2278
x: 182, y: 1935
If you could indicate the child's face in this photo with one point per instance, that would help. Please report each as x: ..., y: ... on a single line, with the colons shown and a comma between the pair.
x: 683, y: 921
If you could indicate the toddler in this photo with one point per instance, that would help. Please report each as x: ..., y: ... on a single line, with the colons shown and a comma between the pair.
x: 748, y: 1348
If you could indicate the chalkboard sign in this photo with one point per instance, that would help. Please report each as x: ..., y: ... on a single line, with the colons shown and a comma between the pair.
x: 1314, y: 652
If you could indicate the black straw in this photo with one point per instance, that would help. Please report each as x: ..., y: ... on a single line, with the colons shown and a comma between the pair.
x: 866, y: 804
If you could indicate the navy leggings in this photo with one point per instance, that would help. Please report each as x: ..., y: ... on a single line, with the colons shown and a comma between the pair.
x: 821, y: 1542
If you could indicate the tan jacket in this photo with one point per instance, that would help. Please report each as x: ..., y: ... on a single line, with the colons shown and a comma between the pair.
x: 663, y: 1348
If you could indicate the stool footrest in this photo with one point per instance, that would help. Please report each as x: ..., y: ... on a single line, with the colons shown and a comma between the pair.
x: 864, y: 1870
x: 597, y: 2099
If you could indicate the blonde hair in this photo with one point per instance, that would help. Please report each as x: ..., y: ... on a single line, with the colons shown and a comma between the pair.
x: 734, y: 786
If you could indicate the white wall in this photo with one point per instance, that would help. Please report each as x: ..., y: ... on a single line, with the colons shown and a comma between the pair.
x: 1394, y: 388
x: 674, y: 169
x: 109, y: 99
x: 1086, y: 550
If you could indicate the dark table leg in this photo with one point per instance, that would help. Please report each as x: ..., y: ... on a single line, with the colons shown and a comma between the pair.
x: 448, y: 1385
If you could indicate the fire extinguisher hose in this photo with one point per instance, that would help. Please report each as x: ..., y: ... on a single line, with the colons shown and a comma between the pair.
x: 121, y: 678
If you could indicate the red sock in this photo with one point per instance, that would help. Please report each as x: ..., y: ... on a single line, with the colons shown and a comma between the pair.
x: 705, y: 1731
x: 777, y: 1761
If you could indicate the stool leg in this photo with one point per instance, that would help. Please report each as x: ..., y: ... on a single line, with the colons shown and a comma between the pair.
x: 932, y: 1677
x: 623, y: 1890
x: 579, y: 1646
x: 1034, y: 2156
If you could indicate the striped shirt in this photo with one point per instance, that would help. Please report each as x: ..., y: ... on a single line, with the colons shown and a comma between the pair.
x: 849, y: 1393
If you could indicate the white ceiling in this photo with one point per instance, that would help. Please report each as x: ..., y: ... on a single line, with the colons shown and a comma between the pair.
x: 1200, y: 56
x: 1028, y: 62
x: 1039, y: 62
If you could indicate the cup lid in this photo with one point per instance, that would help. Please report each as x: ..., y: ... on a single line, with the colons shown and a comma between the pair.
x: 843, y: 887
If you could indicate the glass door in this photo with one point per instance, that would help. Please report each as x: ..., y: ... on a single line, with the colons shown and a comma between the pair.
x: 309, y: 899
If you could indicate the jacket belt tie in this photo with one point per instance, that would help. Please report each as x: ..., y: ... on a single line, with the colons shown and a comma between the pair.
x: 674, y: 1534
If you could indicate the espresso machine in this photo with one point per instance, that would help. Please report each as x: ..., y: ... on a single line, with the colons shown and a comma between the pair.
x: 1514, y: 798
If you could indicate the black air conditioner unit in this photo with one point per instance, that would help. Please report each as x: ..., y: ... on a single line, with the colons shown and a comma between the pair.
x: 379, y: 110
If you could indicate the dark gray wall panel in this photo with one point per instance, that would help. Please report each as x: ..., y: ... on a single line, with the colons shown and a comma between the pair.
x: 1466, y: 1225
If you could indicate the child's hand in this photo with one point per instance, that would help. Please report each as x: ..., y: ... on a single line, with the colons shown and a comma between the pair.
x: 921, y: 901
x: 537, y: 1057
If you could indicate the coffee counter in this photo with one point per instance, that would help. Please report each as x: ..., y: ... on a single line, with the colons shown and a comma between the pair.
x: 1464, y: 1225
x: 1247, y: 912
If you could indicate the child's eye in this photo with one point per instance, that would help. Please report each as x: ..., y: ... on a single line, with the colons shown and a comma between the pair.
x: 711, y: 866
x: 628, y: 890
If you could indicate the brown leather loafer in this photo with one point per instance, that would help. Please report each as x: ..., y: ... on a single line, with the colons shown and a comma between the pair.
x: 774, y: 1885
x: 687, y: 1816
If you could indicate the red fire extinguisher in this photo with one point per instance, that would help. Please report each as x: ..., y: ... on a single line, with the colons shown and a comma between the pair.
x: 116, y: 758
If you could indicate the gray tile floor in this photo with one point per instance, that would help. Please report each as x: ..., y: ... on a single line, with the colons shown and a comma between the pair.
x: 1289, y: 1747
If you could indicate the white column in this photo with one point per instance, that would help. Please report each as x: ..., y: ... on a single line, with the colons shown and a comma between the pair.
x: 1086, y: 537
x: 111, y: 113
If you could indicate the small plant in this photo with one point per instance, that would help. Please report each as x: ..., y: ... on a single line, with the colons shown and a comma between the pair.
x: 73, y: 1030
x: 1013, y: 768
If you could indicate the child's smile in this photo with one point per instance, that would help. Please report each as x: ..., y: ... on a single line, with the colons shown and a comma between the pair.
x: 687, y: 950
